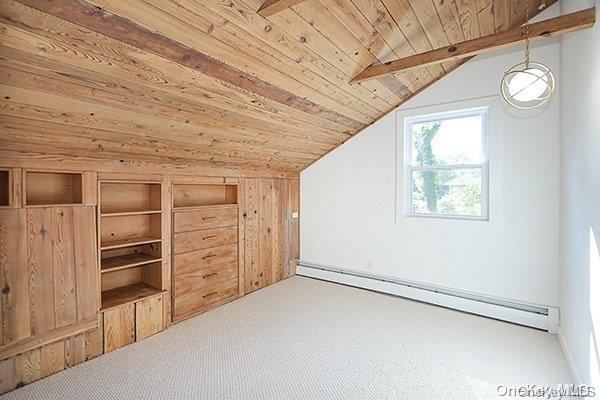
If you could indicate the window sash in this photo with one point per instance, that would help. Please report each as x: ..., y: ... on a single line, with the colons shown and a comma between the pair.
x: 484, y: 216
x: 483, y: 166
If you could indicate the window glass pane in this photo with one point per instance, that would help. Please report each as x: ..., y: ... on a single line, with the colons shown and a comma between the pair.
x: 447, y: 142
x: 448, y: 191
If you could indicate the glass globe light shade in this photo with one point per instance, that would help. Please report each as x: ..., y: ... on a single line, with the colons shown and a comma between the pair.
x: 528, y: 85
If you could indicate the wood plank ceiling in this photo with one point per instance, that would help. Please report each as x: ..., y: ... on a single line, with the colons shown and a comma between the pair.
x: 211, y: 80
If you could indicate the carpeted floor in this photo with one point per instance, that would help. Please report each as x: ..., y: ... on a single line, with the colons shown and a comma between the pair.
x: 307, y: 339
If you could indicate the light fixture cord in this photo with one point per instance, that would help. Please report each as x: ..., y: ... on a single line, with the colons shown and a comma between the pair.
x: 528, y: 32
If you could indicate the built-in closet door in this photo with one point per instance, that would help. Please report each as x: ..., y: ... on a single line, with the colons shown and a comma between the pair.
x: 270, y: 211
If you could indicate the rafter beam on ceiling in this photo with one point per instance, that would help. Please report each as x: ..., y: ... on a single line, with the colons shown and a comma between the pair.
x: 271, y: 7
x: 548, y: 28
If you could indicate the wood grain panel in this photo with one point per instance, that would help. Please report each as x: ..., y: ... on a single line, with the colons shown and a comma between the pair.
x: 148, y: 317
x: 52, y: 358
x: 41, y: 277
x: 119, y: 327
x: 14, y: 277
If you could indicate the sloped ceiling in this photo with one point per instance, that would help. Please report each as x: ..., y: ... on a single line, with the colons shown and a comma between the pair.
x: 211, y: 80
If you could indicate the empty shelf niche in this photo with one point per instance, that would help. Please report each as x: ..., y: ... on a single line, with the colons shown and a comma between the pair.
x: 126, y: 198
x: 48, y: 188
x: 130, y: 230
x: 194, y: 195
x: 129, y: 257
x: 4, y: 188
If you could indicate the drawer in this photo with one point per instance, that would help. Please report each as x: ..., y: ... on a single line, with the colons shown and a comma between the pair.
x: 211, y: 259
x: 203, y: 278
x: 204, y: 299
x: 207, y: 218
x: 197, y: 240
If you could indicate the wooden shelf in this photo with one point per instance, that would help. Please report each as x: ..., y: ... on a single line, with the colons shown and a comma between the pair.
x: 117, y: 244
x: 126, y: 261
x: 127, y: 213
x: 127, y: 294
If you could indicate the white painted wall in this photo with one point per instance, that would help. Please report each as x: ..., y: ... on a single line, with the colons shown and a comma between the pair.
x: 349, y: 198
x: 580, y: 198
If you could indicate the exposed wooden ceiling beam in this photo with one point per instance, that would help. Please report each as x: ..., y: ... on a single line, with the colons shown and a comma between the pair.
x: 271, y: 7
x: 548, y: 28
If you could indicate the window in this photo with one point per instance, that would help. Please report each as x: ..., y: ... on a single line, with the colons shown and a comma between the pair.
x: 446, y: 164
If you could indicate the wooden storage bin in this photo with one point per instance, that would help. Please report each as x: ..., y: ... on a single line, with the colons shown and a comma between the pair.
x: 52, y: 188
x: 194, y: 195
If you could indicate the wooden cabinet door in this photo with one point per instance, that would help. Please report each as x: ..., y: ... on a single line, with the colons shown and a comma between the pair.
x: 148, y: 317
x: 48, y: 270
x: 119, y: 327
x: 270, y: 231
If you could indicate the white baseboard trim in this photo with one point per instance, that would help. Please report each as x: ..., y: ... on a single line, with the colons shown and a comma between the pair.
x: 533, y: 315
x: 570, y: 363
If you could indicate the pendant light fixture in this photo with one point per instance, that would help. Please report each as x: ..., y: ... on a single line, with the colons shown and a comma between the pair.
x: 529, y: 84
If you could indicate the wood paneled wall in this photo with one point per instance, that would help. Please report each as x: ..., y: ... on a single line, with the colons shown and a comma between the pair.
x: 48, y: 326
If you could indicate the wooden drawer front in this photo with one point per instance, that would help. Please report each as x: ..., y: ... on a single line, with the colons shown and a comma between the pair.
x: 193, y: 220
x: 198, y: 301
x: 119, y: 327
x: 205, y: 277
x: 148, y: 317
x: 221, y: 257
x: 197, y: 240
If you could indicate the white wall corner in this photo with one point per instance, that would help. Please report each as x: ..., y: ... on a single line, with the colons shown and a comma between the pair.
x: 554, y: 320
x: 569, y: 358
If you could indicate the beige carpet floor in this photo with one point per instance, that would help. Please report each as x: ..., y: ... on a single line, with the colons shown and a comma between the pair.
x: 307, y: 339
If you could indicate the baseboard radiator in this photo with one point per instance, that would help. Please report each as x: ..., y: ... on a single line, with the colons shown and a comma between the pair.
x: 533, y: 315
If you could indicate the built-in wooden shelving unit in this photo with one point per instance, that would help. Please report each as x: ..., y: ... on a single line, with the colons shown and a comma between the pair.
x: 130, y: 236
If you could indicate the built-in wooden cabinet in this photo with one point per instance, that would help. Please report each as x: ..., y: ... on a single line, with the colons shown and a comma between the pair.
x: 92, y: 262
x: 205, y: 246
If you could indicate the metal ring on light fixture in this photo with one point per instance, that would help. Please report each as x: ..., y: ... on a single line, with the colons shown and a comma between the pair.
x: 524, y: 68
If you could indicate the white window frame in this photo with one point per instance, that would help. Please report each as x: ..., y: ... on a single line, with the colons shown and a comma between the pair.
x: 483, y: 112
